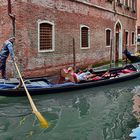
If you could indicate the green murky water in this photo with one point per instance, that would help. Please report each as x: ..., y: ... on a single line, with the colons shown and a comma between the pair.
x: 102, y: 113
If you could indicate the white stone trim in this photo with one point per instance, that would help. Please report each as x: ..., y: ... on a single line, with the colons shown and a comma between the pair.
x: 53, y: 36
x: 110, y: 36
x: 81, y: 26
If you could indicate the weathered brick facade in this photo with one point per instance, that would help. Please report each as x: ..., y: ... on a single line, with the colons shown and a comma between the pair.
x: 138, y: 25
x: 138, y: 13
x: 67, y: 16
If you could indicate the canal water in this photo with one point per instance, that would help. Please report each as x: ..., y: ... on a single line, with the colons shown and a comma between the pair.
x: 101, y: 113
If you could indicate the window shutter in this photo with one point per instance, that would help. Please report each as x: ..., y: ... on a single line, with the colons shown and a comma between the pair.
x: 108, y: 37
x: 126, y: 38
x: 133, y: 38
x: 45, y: 36
x: 84, y: 37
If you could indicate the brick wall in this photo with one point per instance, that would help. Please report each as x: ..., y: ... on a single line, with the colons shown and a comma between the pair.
x: 67, y: 16
x: 138, y: 13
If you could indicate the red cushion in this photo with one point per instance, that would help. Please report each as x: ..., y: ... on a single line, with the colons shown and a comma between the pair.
x: 96, y: 78
x: 126, y: 71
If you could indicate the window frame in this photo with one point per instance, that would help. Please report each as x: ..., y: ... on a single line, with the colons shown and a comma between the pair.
x: 53, y: 36
x: 126, y: 31
x: 133, y: 4
x: 133, y: 39
x: 127, y: 3
x: 81, y: 26
x: 106, y: 37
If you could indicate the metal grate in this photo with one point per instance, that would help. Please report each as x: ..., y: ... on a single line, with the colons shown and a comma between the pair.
x: 126, y: 38
x: 45, y: 36
x: 133, y: 38
x: 108, y: 37
x: 84, y: 35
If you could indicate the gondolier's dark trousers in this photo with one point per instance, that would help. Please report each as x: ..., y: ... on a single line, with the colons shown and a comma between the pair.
x: 3, y: 66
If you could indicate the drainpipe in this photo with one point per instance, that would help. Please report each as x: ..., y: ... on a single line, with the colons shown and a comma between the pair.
x: 11, y: 15
x: 114, y: 7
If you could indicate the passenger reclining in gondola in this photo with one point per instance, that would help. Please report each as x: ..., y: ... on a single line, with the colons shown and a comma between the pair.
x: 79, y: 76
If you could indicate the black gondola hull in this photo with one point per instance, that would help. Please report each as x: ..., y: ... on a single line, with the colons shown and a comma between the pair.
x: 59, y: 89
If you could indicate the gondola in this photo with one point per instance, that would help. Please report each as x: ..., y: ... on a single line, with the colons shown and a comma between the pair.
x: 41, y: 85
x: 132, y: 58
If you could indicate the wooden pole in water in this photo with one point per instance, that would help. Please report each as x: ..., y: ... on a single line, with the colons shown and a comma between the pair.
x: 74, y: 56
x: 111, y: 54
x: 126, y: 57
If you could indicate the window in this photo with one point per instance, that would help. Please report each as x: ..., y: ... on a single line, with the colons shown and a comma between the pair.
x: 133, y: 38
x: 126, y: 37
x: 108, y: 37
x: 122, y: 1
x: 126, y: 2
x: 109, y: 1
x: 45, y: 36
x: 84, y: 37
x: 138, y: 29
x: 133, y: 4
x: 138, y: 40
x: 119, y: 2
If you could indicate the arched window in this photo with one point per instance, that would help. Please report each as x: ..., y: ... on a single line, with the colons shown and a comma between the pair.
x: 45, y: 36
x: 108, y: 37
x: 85, y: 37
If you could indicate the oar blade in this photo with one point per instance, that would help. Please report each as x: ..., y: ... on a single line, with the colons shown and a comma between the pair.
x: 42, y: 120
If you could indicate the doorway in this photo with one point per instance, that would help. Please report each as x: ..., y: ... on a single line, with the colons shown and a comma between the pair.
x: 118, y: 42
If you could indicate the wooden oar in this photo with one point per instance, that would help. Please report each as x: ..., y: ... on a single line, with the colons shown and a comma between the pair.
x: 43, y: 122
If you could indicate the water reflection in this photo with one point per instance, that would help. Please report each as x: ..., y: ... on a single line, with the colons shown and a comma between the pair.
x: 81, y: 104
x: 103, y: 113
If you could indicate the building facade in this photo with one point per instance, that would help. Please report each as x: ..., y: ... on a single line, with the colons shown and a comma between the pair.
x: 138, y: 25
x: 53, y: 34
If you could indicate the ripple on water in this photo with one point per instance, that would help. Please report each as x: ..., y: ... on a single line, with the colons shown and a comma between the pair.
x: 93, y: 114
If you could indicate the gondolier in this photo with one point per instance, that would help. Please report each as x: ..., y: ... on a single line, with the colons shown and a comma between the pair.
x: 4, y: 53
x: 131, y: 57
